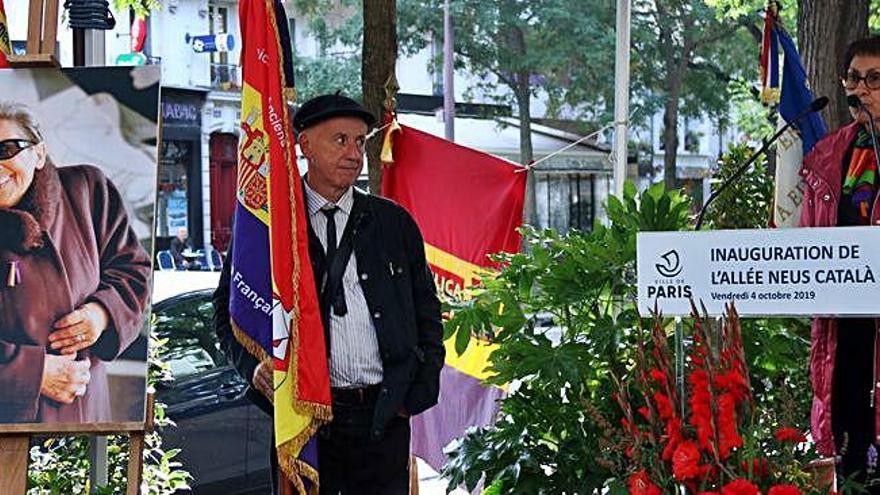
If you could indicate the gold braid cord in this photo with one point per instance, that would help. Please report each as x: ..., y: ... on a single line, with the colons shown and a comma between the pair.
x: 294, y: 468
x: 249, y: 344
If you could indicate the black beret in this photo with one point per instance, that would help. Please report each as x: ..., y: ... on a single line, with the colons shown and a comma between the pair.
x: 321, y: 108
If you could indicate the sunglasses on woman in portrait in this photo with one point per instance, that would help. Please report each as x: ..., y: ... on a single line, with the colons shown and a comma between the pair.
x: 11, y: 147
x: 851, y: 79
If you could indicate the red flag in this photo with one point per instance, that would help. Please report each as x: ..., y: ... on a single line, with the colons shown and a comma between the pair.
x: 468, y: 204
x: 465, y: 201
x: 5, y: 45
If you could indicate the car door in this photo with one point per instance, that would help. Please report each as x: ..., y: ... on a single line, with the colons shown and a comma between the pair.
x: 205, y: 400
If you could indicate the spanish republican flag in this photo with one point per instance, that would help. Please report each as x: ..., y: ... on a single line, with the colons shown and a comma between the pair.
x: 5, y: 44
x: 468, y: 205
x: 273, y: 301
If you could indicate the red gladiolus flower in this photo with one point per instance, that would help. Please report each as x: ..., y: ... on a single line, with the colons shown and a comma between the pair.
x: 789, y: 434
x: 664, y: 407
x: 740, y: 487
x: 701, y: 409
x: 658, y: 376
x: 728, y: 436
x: 732, y: 381
x: 640, y: 484
x: 784, y: 490
x: 645, y: 412
x: 686, y: 461
x: 673, y: 438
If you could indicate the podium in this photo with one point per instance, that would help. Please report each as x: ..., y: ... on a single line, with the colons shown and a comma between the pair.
x: 769, y: 272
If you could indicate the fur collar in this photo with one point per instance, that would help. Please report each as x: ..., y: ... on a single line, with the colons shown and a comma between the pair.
x: 22, y: 226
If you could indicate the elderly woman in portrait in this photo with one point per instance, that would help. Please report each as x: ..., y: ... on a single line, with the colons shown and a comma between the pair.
x: 840, y: 175
x: 73, y: 280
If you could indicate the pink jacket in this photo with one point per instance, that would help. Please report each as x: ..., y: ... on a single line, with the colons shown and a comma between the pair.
x: 821, y: 174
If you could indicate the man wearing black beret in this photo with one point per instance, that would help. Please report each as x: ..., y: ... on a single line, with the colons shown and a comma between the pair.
x: 378, y: 303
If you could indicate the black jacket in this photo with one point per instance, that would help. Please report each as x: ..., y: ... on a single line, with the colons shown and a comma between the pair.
x: 399, y: 290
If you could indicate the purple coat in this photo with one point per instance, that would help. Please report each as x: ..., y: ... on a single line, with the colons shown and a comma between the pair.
x: 821, y: 173
x: 71, y: 239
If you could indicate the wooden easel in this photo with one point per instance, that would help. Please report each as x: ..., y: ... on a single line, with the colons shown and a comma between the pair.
x: 42, y: 35
x: 15, y: 444
x: 15, y: 439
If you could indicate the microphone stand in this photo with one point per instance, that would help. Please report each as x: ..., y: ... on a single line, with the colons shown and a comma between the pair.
x: 815, y: 106
x: 742, y: 168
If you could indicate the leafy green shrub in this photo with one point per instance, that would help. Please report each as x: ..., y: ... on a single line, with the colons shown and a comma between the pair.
x: 550, y: 424
x: 564, y: 318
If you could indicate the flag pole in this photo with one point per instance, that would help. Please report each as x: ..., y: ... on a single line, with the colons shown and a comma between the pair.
x: 621, y: 95
x: 448, y: 75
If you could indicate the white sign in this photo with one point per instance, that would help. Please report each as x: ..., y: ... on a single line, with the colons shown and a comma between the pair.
x: 813, y: 271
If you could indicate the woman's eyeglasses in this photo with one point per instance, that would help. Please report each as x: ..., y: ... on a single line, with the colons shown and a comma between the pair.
x: 851, y: 79
x: 11, y: 147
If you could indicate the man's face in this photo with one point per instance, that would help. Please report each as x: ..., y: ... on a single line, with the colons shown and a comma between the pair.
x: 335, y: 151
x: 182, y: 234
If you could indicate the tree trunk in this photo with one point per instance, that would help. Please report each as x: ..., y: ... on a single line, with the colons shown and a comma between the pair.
x: 516, y: 44
x: 675, y: 74
x: 523, y: 101
x: 378, y: 61
x: 670, y: 137
x: 825, y: 28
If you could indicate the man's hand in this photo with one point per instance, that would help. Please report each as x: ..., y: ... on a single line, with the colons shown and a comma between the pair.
x: 64, y: 378
x: 264, y: 381
x: 79, y: 329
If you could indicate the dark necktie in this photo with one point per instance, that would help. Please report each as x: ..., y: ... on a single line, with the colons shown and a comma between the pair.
x: 337, y: 300
x: 330, y: 213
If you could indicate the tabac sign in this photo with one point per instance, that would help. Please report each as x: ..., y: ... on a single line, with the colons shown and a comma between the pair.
x: 818, y: 271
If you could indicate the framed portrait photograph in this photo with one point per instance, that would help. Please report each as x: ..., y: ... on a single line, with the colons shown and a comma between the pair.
x: 78, y: 174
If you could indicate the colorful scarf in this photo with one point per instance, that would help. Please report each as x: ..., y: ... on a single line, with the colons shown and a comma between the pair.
x: 860, y: 181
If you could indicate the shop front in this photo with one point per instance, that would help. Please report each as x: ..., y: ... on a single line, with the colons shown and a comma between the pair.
x: 179, y: 197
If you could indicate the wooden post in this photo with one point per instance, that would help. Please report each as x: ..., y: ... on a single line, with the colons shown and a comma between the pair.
x: 136, y: 450
x: 13, y: 462
x: 413, y: 476
x: 135, y: 462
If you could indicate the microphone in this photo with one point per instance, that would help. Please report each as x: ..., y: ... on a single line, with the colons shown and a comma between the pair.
x: 855, y: 102
x: 815, y: 106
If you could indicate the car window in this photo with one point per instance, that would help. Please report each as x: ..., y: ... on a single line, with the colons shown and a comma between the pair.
x: 192, y: 345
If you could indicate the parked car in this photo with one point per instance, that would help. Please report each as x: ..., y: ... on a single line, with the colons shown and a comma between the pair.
x: 224, y: 439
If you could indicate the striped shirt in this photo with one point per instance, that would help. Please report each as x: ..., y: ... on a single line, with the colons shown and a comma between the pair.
x: 354, y: 351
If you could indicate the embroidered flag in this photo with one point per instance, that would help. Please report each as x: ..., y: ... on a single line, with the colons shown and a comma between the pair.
x: 468, y: 204
x: 273, y: 301
x: 795, y: 143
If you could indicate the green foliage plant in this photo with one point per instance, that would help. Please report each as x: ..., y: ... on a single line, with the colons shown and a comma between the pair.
x: 563, y: 315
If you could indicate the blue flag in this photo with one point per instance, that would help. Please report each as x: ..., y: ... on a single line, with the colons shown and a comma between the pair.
x: 797, y: 142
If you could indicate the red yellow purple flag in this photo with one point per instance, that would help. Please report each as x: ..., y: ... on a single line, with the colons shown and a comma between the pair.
x: 273, y: 300
x: 5, y: 44
x: 468, y: 204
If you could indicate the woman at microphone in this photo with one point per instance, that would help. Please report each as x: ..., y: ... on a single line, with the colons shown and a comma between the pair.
x: 840, y: 176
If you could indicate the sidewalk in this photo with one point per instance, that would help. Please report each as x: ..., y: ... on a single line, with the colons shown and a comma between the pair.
x: 430, y: 482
